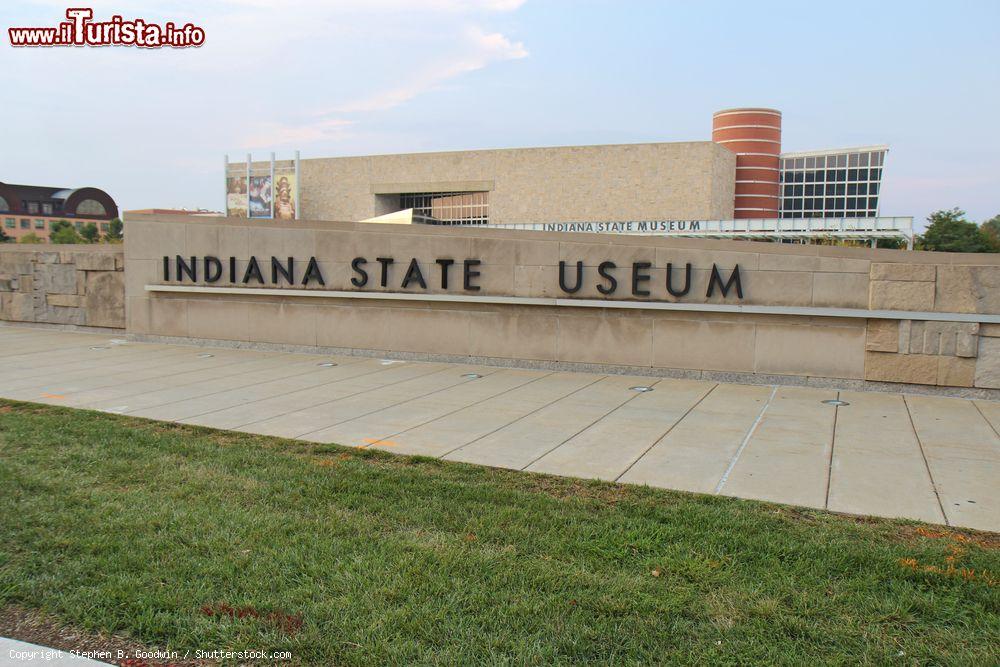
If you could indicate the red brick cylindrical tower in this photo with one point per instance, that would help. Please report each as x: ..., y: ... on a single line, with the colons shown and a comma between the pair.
x: 755, y: 136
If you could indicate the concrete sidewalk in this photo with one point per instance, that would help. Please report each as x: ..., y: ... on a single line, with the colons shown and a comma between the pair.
x: 922, y: 457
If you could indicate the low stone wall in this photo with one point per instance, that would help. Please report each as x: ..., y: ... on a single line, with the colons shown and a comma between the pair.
x: 854, y: 317
x: 80, y: 285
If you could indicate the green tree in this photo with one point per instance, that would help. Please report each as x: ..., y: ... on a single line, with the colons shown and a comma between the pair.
x: 116, y: 230
x: 31, y: 237
x: 949, y: 231
x: 3, y: 236
x: 992, y: 230
x: 90, y: 233
x: 62, y: 231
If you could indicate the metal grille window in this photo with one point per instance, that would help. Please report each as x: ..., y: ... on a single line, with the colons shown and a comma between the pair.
x: 449, y: 208
x: 844, y: 184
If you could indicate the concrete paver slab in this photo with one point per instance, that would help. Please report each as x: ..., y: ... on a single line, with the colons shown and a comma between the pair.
x: 695, y: 454
x: 449, y: 432
x: 787, y: 458
x: 963, y: 454
x: 521, y: 443
x: 609, y: 447
x: 380, y: 427
x: 877, y: 461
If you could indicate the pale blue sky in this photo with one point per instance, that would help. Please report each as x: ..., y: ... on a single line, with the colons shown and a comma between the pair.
x: 377, y: 76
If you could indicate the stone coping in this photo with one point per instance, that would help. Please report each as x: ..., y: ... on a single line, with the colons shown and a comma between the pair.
x: 758, y: 247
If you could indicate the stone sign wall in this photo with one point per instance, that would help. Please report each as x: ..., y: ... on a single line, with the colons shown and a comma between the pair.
x: 721, y: 309
x: 80, y: 285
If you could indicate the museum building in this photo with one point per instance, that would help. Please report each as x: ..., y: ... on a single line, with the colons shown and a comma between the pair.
x: 740, y: 174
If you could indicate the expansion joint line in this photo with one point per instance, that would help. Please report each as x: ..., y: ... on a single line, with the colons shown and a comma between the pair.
x: 829, y: 465
x: 746, y: 441
x: 927, y: 464
x: 667, y: 432
x: 585, y: 428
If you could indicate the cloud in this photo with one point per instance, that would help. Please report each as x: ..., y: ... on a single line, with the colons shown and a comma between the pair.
x: 272, y: 134
x: 486, y: 49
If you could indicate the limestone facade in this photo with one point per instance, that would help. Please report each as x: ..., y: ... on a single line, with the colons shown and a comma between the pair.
x: 655, y: 181
x: 81, y: 285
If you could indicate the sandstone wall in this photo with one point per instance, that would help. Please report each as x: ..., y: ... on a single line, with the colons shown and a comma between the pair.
x: 81, y: 285
x: 809, y: 314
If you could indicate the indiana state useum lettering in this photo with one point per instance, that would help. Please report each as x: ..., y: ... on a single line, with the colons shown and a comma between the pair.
x: 445, y: 272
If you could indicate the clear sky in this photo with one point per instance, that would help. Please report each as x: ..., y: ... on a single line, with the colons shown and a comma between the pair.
x: 381, y: 76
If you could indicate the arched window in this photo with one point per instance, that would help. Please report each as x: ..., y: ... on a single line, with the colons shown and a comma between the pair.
x: 91, y: 207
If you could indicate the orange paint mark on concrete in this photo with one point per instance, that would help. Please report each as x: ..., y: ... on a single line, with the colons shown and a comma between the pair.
x: 376, y: 441
x: 58, y: 397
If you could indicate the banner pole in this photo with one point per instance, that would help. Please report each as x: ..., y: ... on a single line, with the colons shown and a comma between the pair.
x: 225, y: 181
x: 272, y: 185
x: 249, y: 158
x: 298, y: 187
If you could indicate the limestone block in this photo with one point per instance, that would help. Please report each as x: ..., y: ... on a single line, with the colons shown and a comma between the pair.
x: 61, y: 315
x: 16, y: 265
x: 904, y: 336
x: 898, y: 295
x: 21, y: 308
x: 956, y: 371
x: 906, y: 272
x: 968, y: 289
x: 47, y: 258
x: 917, y: 336
x: 56, y: 278
x: 947, y: 344
x: 883, y: 336
x: 94, y: 261
x: 932, y: 339
x: 105, y: 299
x: 989, y: 330
x: 966, y: 345
x: 66, y: 300
x: 988, y: 364
x: 910, y: 368
x: 25, y: 282
x: 8, y: 284
x: 840, y: 290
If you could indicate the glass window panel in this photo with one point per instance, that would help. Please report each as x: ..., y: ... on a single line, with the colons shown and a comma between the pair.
x: 800, y: 163
x: 852, y: 174
x: 853, y: 159
x: 863, y: 160
x: 798, y: 191
x: 862, y: 189
x: 810, y: 163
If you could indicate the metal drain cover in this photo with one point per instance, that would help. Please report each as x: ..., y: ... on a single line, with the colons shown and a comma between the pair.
x: 205, y: 355
x: 472, y: 376
x: 326, y: 364
x: 835, y: 402
x: 640, y: 388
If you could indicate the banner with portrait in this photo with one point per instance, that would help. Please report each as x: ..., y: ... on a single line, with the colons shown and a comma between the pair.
x: 236, y: 196
x: 260, y: 196
x: 284, y: 196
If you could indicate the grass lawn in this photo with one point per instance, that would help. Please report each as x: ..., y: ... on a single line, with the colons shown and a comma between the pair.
x: 189, y: 538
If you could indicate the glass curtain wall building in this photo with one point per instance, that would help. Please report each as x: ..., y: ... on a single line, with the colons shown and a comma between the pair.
x: 842, y: 183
